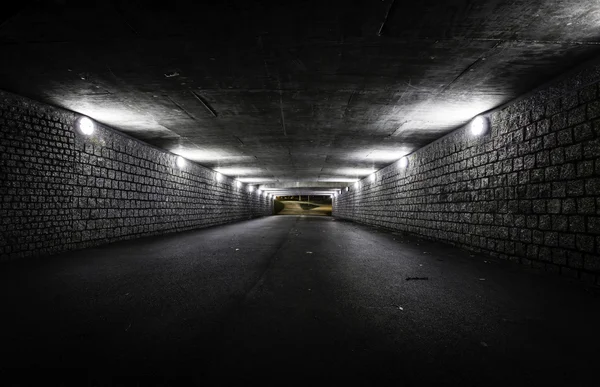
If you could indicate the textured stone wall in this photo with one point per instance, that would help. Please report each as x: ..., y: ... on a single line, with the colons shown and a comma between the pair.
x: 61, y: 190
x: 528, y: 190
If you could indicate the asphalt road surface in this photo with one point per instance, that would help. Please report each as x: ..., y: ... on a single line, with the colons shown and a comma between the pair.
x: 287, y: 300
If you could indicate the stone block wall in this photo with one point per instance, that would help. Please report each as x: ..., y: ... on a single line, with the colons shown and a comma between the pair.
x: 528, y: 190
x: 61, y: 190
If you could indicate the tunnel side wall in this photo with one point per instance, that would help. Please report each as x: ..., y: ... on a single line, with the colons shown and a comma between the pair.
x: 61, y: 190
x: 528, y: 190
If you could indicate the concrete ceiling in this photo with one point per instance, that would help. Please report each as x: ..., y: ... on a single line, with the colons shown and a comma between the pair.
x: 313, y: 91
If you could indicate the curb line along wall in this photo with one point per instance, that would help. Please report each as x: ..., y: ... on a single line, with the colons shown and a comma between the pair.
x: 528, y: 190
x: 61, y: 190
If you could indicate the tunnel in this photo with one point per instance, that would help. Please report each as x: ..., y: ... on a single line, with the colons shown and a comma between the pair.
x: 303, y: 193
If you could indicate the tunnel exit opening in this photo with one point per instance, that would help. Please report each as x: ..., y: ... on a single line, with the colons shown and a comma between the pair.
x: 319, y: 205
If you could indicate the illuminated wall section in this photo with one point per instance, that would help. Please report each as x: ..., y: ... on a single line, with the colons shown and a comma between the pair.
x: 526, y: 189
x: 69, y: 183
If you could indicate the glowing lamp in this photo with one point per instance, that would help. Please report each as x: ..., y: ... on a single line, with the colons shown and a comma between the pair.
x: 86, y: 126
x: 479, y: 126
x: 403, y: 162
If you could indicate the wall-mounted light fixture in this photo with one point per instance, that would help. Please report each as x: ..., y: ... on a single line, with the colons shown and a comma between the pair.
x: 403, y: 163
x: 180, y: 162
x: 86, y: 126
x: 258, y: 191
x: 250, y: 188
x: 238, y: 183
x: 356, y: 185
x: 479, y: 125
x: 372, y: 177
x: 218, y: 176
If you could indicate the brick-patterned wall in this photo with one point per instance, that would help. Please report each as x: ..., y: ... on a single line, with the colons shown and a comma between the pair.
x: 61, y: 190
x: 528, y: 190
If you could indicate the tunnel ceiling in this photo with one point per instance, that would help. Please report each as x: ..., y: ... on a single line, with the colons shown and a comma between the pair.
x: 297, y: 91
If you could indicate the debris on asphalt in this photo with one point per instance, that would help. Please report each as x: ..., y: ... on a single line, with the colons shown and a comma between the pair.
x: 309, y: 252
x: 236, y: 249
x: 482, y: 279
x: 483, y: 344
x: 417, y: 278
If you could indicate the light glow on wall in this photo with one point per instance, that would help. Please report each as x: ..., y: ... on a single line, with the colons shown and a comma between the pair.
x: 338, y: 179
x: 386, y: 155
x: 355, y: 172
x: 218, y: 176
x: 209, y: 155
x: 229, y: 171
x: 257, y: 179
x: 447, y: 114
x: 180, y: 162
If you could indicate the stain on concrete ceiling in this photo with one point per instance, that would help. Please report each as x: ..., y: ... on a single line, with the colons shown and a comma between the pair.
x: 319, y: 91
